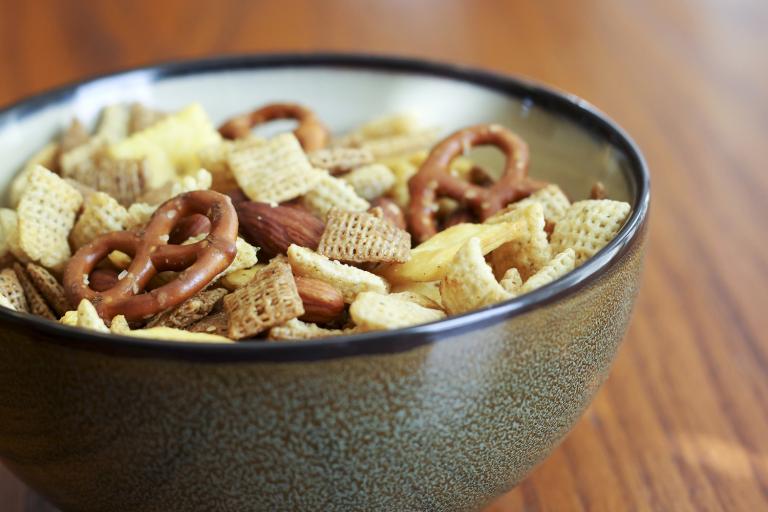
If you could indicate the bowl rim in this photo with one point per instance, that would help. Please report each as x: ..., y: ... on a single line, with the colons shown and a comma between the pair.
x: 564, y: 104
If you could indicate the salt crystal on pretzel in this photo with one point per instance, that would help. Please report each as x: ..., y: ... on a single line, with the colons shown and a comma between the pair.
x: 340, y: 160
x: 46, y: 215
x: 101, y: 214
x: 395, y: 145
x: 270, y: 299
x: 560, y: 265
x: 551, y: 198
x: 275, y: 171
x: 370, y: 181
x: 189, y: 311
x: 37, y: 304
x: 11, y: 288
x: 371, y: 311
x: 329, y: 192
x: 469, y: 283
x: 143, y: 117
x: 361, y: 237
x: 588, y: 226
x: 295, y: 329
x: 171, y: 334
x: 47, y: 157
x: 349, y: 280
x: 49, y: 287
x: 114, y: 122
x: 215, y: 323
x: 528, y: 253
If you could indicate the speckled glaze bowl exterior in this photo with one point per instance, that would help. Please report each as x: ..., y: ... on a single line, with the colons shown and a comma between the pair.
x: 437, y: 417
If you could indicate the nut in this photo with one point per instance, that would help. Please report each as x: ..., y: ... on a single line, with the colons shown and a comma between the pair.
x: 275, y: 228
x: 391, y: 212
x: 102, y: 279
x: 188, y: 227
x: 322, y: 302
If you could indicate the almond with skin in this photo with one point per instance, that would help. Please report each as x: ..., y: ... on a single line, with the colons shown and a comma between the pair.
x: 102, y: 279
x: 322, y: 302
x: 275, y: 228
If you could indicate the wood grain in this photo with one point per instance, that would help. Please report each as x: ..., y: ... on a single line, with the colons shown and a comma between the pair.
x: 682, y: 422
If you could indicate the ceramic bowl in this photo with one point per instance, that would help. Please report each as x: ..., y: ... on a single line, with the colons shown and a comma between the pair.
x: 442, y: 416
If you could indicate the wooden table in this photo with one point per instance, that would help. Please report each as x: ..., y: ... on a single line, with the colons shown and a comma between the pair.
x: 682, y: 424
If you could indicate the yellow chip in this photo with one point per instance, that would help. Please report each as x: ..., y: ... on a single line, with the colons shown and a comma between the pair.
x: 171, y: 334
x: 329, y: 192
x: 69, y: 318
x: 429, y: 289
x: 139, y: 215
x: 387, y: 147
x: 101, y: 214
x: 295, y: 329
x: 469, y: 283
x: 588, y: 226
x: 88, y: 318
x: 417, y: 298
x: 239, y: 278
x: 552, y: 199
x: 275, y: 171
x: 560, y: 265
x: 142, y: 117
x: 371, y: 311
x: 46, y: 215
x: 350, y: 281
x: 528, y: 253
x: 431, y: 259
x: 119, y: 325
x: 403, y: 168
x: 199, y: 180
x: 370, y: 181
x: 170, y: 144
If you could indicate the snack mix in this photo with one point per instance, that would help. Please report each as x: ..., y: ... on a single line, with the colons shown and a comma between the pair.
x: 159, y: 226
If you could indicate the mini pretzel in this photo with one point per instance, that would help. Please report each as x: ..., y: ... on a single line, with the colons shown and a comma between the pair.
x: 199, y: 263
x: 434, y: 179
x: 312, y: 134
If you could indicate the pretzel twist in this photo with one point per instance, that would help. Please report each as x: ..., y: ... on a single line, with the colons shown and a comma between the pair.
x: 312, y: 134
x: 198, y: 263
x: 434, y: 179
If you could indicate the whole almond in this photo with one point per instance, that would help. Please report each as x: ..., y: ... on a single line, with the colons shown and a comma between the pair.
x: 391, y: 212
x: 195, y: 224
x: 102, y: 279
x: 322, y: 302
x: 275, y: 228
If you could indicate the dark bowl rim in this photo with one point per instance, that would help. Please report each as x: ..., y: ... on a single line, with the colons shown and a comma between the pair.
x: 567, y: 105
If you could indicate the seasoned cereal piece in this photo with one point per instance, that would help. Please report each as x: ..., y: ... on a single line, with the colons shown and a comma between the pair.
x: 386, y: 126
x: 370, y: 181
x: 528, y: 253
x: 552, y: 199
x: 417, y: 298
x: 5, y: 303
x: 429, y: 289
x: 37, y: 304
x: 49, y: 287
x: 511, y: 281
x: 295, y: 329
x: 47, y: 157
x: 189, y: 311
x: 101, y: 214
x: 119, y: 325
x: 362, y: 237
x: 588, y: 226
x: 139, y: 215
x: 246, y: 256
x: 560, y: 265
x: 85, y: 316
x: 349, y: 280
x: 46, y: 215
x: 469, y: 283
x: 275, y: 171
x: 329, y: 192
x: 199, y: 180
x: 340, y: 160
x: 270, y: 299
x: 11, y: 288
x: 143, y: 117
x: 371, y: 311
x: 75, y: 135
x: 215, y: 323
x: 387, y: 147
x: 79, y: 163
x: 114, y: 122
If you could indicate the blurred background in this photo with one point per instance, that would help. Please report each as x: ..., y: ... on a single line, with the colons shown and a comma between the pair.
x: 681, y: 423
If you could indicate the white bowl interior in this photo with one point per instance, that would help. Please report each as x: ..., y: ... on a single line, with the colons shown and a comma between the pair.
x: 343, y: 97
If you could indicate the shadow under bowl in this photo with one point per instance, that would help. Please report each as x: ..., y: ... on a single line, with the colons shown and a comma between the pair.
x: 442, y: 416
